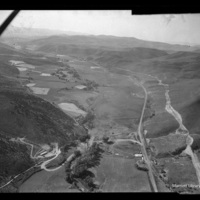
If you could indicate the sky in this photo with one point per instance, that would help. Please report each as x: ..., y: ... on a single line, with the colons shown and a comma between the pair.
x: 168, y: 28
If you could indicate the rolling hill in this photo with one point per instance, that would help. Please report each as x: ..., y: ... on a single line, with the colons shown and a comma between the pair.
x: 109, y: 42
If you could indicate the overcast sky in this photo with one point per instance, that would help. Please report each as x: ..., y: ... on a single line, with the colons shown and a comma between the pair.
x: 176, y: 28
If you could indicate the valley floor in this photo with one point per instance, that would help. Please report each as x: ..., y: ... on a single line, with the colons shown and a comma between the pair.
x: 135, y: 108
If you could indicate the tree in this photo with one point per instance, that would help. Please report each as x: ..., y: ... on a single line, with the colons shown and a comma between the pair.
x: 78, y: 169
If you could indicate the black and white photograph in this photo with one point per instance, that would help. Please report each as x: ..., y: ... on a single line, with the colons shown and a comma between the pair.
x: 99, y: 101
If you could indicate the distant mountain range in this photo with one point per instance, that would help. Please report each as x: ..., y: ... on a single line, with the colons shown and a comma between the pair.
x: 48, y: 36
x: 13, y: 31
x: 108, y: 43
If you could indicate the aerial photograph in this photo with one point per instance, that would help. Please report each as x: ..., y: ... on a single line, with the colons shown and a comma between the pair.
x: 99, y: 101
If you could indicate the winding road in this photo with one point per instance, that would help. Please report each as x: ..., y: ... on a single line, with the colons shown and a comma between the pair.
x: 43, y: 153
x: 40, y: 154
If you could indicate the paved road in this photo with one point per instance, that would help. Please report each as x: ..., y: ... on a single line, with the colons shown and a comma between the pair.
x: 143, y: 142
x: 140, y: 130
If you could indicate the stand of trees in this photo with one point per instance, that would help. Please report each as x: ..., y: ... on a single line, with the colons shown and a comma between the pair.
x: 77, y: 170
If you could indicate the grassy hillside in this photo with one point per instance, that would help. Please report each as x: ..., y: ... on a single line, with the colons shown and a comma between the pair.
x: 103, y: 55
x: 111, y: 42
x: 8, y: 49
x: 25, y: 115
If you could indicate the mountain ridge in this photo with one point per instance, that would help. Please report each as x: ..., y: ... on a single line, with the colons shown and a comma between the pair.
x: 13, y: 31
